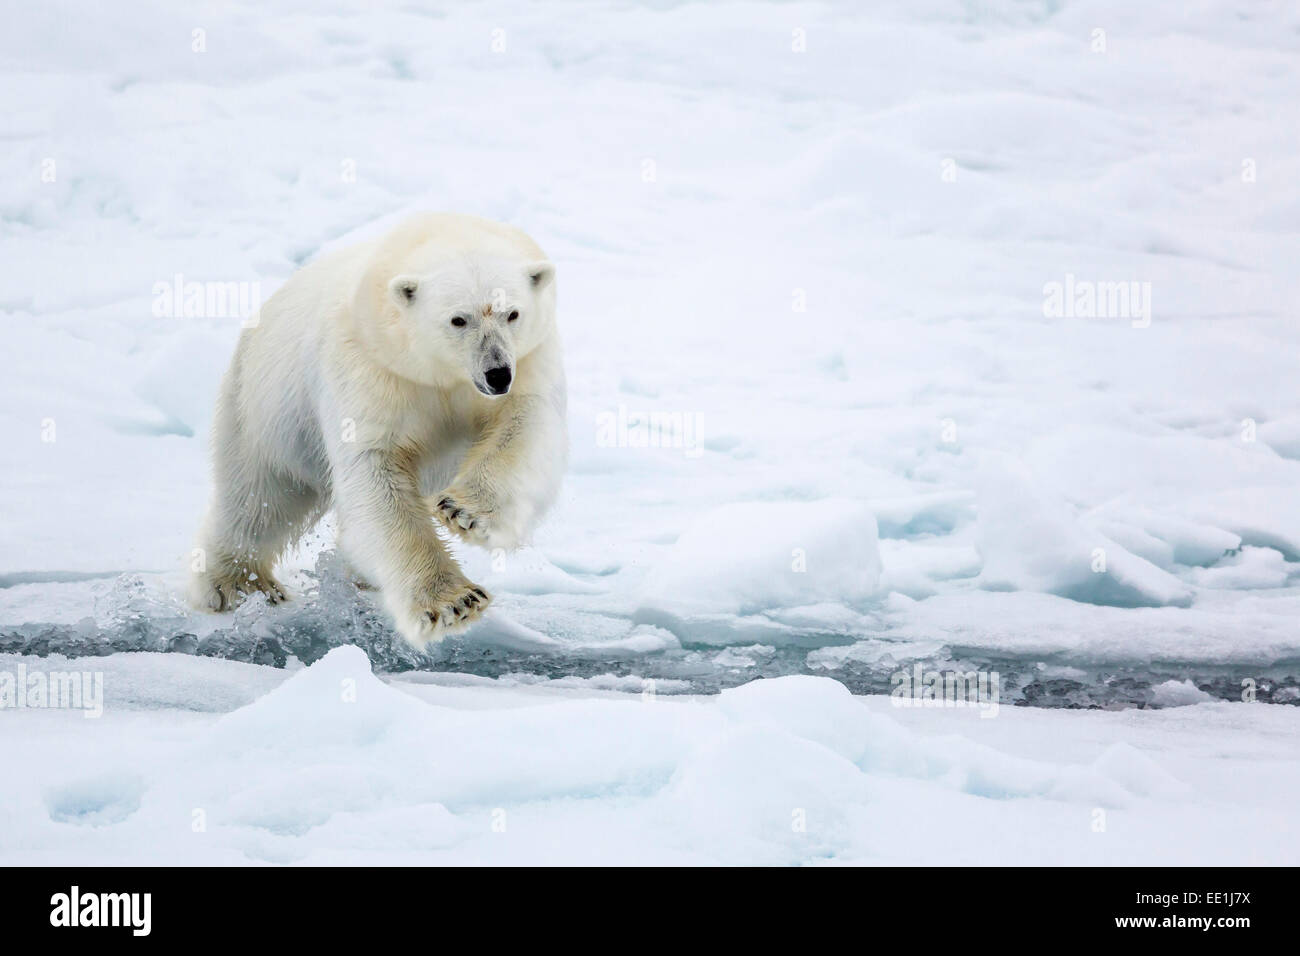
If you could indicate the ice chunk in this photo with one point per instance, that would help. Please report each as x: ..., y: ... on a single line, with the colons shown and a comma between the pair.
x: 1283, y: 436
x: 1191, y: 542
x: 526, y: 571
x: 1268, y: 516
x: 1251, y: 568
x: 1178, y: 693
x: 1027, y: 624
x: 1164, y: 539
x: 749, y: 557
x: 1138, y: 541
x: 1031, y: 542
x: 918, y: 570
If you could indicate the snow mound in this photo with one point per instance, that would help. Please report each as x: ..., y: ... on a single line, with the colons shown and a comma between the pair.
x: 776, y: 771
x: 933, y: 513
x: 336, y: 702
x: 335, y: 765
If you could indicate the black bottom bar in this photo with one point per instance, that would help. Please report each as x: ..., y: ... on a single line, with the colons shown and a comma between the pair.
x: 948, y: 907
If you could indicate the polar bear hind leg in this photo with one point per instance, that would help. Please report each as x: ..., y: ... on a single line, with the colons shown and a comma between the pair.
x: 256, y: 512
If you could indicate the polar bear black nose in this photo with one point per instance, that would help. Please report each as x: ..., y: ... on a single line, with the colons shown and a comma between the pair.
x: 498, y: 379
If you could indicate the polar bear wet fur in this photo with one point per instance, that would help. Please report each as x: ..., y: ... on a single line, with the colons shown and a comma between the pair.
x: 413, y: 379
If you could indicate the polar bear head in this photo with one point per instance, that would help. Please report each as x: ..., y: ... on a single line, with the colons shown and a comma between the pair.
x: 476, y: 317
x: 465, y: 305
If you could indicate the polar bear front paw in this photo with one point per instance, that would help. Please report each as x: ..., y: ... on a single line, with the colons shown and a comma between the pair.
x: 445, y: 610
x: 224, y: 593
x: 464, y: 515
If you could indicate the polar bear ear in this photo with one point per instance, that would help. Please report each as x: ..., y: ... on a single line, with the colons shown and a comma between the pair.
x: 540, y: 274
x: 403, y: 289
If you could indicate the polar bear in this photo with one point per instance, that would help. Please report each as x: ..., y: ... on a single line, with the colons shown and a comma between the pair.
x: 412, y: 378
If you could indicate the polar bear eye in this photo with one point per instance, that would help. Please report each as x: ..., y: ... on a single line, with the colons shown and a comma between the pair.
x: 512, y: 316
x: 459, y: 321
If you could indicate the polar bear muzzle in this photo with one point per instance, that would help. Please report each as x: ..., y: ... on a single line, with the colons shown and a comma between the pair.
x: 498, y: 379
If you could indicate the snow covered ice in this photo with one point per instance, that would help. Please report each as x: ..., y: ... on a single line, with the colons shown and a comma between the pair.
x: 827, y: 422
x: 331, y: 765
